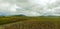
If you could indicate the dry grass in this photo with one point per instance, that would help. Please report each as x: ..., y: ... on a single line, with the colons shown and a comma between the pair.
x: 17, y: 22
x: 34, y: 25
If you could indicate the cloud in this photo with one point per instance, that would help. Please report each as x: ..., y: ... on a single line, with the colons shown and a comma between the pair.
x: 30, y: 7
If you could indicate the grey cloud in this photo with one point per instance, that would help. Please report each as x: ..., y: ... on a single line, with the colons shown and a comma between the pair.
x: 30, y: 7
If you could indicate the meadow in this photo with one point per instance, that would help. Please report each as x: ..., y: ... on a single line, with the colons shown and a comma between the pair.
x: 41, y: 22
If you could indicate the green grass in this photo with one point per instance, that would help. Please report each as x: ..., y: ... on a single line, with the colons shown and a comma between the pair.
x: 29, y: 22
x: 11, y: 19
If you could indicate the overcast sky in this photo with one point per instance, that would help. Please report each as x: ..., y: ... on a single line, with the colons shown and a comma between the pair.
x: 30, y: 7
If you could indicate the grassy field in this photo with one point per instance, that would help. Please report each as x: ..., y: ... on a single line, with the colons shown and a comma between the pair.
x: 10, y: 19
x: 47, y: 22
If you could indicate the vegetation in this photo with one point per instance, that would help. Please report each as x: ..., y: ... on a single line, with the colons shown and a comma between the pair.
x: 11, y: 19
x: 31, y: 22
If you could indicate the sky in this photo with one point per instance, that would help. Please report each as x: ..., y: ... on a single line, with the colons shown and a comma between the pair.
x: 30, y: 7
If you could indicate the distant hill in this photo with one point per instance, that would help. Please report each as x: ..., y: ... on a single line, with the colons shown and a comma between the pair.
x: 19, y: 15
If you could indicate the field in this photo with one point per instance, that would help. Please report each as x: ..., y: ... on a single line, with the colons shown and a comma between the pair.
x: 23, y: 22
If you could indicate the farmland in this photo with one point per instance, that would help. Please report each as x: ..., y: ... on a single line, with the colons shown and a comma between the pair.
x: 24, y: 22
